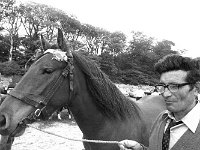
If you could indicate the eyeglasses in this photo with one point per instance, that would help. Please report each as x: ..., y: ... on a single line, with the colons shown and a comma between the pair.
x: 171, y: 87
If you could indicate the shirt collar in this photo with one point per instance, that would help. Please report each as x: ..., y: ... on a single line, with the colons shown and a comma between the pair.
x: 191, y: 120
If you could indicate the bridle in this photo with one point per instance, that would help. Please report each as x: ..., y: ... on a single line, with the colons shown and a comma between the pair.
x: 41, y: 104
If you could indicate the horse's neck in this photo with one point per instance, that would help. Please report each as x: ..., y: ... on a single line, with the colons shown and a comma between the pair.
x: 83, y: 107
x: 86, y: 114
x: 94, y: 123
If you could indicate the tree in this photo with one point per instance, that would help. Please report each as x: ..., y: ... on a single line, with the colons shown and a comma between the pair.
x: 140, y: 44
x: 117, y: 43
x: 107, y: 64
x: 39, y: 18
x: 71, y: 26
x: 163, y: 48
x: 10, y: 20
x: 95, y: 39
x: 4, y: 46
x: 89, y: 35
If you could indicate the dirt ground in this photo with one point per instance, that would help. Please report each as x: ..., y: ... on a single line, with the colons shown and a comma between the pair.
x: 33, y: 139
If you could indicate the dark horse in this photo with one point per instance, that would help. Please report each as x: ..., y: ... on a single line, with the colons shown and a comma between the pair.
x: 5, y: 141
x: 61, y: 78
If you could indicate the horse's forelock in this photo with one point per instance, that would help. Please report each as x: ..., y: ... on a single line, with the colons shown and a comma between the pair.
x: 57, y: 54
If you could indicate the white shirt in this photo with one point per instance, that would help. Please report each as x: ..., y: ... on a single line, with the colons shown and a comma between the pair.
x: 190, y: 121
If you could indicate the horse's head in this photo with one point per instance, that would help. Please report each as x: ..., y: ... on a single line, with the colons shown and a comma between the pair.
x: 42, y: 89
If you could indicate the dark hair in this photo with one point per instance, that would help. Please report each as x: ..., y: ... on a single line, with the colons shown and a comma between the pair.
x: 177, y: 62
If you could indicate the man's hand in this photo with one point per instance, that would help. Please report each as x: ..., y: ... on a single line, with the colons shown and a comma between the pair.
x: 130, y: 145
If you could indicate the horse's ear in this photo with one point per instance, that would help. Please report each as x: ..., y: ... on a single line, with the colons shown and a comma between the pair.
x: 44, y: 43
x: 62, y: 43
x: 61, y: 40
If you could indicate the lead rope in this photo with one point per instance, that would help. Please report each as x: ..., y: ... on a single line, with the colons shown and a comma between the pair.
x: 72, y: 139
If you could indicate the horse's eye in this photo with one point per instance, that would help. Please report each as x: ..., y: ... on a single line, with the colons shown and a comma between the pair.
x: 48, y: 70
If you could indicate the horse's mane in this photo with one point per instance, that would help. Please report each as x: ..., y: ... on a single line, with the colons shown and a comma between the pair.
x: 108, y: 98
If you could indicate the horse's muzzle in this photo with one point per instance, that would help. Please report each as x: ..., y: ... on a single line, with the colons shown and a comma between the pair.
x: 6, y: 130
x: 4, y: 123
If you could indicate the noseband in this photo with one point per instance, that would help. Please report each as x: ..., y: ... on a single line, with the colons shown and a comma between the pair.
x: 44, y: 100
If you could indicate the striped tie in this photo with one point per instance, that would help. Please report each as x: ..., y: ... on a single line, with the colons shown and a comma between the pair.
x: 166, y: 135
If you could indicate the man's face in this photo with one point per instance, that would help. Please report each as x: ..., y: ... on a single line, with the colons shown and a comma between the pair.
x: 181, y: 101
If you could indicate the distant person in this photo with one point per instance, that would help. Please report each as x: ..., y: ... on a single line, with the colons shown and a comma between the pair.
x: 178, y: 127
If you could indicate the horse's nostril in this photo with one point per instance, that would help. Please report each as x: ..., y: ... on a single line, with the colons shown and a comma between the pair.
x: 2, y: 121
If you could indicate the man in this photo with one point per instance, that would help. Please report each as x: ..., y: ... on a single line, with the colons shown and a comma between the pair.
x: 179, y: 78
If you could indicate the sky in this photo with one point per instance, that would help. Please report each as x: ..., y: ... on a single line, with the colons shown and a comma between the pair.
x: 174, y: 20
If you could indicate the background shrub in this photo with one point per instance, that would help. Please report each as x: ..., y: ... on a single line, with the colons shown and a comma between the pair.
x: 10, y: 68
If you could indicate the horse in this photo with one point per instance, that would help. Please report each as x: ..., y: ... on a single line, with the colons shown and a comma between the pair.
x: 5, y: 141
x: 60, y: 78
